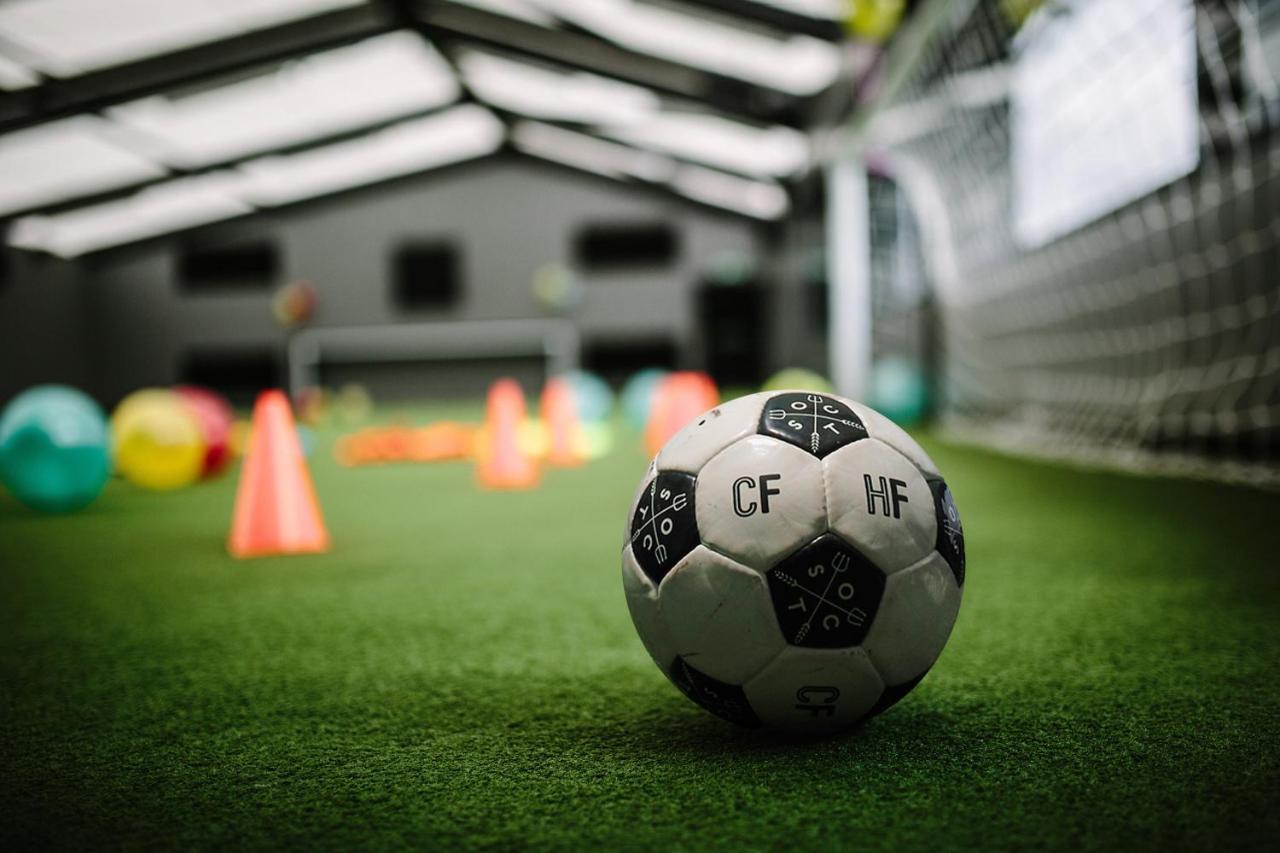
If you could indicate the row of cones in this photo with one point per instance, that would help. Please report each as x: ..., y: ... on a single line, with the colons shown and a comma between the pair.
x: 276, y: 511
x: 501, y: 462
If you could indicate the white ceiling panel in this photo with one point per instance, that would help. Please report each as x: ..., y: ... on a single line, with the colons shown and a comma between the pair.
x: 65, y: 38
x: 158, y: 210
x: 823, y: 10
x: 590, y: 154
x: 726, y: 144
x: 756, y: 199
x: 328, y: 93
x: 15, y: 76
x: 463, y: 133
x: 538, y: 92
x: 797, y: 64
x: 65, y: 159
x: 524, y: 10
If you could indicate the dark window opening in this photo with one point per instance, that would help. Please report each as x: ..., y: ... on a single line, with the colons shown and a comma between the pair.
x: 621, y: 246
x: 616, y: 361
x: 427, y: 276
x: 734, y: 331
x: 235, y: 266
x: 239, y: 374
x: 817, y: 307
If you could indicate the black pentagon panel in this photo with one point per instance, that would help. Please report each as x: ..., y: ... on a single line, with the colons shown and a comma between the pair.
x: 892, y: 695
x: 813, y: 422
x: 664, y: 528
x: 950, y: 531
x: 826, y: 594
x: 726, y: 701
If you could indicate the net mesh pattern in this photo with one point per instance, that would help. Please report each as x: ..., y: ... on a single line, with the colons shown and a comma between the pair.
x: 1146, y: 334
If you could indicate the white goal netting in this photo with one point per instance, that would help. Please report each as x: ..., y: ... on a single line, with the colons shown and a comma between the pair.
x: 1092, y: 197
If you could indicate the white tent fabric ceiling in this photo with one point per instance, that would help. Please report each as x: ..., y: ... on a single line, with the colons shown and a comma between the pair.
x: 387, y: 105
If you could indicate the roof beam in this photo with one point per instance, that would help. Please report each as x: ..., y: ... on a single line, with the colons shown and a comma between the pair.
x: 99, y: 89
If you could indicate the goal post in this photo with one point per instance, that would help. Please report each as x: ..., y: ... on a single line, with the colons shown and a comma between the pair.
x: 1095, y: 192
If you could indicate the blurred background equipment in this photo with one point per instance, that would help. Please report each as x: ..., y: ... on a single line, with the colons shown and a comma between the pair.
x: 157, y: 440
x: 215, y: 417
x: 1043, y: 226
x: 54, y: 448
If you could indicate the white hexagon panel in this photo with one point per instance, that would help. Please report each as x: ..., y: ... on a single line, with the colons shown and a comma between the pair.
x: 917, y: 612
x: 815, y: 690
x: 880, y: 503
x: 719, y: 617
x: 879, y: 426
x: 642, y: 601
x: 760, y: 499
x: 700, y: 439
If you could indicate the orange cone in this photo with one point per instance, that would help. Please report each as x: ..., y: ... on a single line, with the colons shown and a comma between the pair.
x: 276, y: 510
x: 501, y: 463
x: 560, y: 415
x: 678, y: 399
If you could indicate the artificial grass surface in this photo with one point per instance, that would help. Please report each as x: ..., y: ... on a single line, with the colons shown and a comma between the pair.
x: 461, y: 669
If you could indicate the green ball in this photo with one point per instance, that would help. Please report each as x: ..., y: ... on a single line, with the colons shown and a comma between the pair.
x: 54, y: 448
x: 898, y: 391
x: 798, y: 379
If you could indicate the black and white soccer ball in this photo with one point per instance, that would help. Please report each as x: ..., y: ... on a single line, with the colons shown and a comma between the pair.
x: 795, y: 560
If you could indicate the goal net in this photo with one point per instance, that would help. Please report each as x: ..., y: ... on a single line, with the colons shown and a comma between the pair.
x: 1077, y: 203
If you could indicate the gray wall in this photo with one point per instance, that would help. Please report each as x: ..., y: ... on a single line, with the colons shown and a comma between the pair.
x: 119, y: 320
x: 44, y: 336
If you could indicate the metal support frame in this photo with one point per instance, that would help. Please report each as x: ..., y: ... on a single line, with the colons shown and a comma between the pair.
x: 849, y: 277
x: 555, y: 340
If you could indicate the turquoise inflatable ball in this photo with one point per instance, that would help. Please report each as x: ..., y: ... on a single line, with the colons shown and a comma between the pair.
x: 638, y: 395
x: 899, y: 391
x: 591, y: 394
x: 54, y: 448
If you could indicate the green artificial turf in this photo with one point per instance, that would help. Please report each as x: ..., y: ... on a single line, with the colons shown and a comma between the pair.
x: 461, y: 669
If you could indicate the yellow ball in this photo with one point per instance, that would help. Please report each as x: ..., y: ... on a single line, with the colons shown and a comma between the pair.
x: 875, y: 20
x: 157, y: 441
x: 533, y: 439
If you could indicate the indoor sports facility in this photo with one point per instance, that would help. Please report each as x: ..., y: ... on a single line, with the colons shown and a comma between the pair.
x: 640, y: 424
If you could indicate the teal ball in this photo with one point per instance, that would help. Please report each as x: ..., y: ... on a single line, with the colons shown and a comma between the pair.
x: 54, y: 448
x: 638, y: 395
x: 591, y: 395
x: 899, y: 391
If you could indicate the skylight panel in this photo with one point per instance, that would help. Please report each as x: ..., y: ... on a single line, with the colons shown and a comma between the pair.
x: 60, y: 160
x: 523, y: 10
x: 726, y: 144
x: 797, y: 64
x: 581, y: 151
x: 66, y: 38
x: 463, y: 133
x: 328, y: 93
x: 15, y: 76
x: 756, y: 199
x: 822, y: 10
x: 537, y: 92
x: 155, y: 211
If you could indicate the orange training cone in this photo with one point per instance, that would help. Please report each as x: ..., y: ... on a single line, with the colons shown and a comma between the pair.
x: 560, y: 415
x: 276, y: 510
x: 501, y: 463
x: 678, y: 399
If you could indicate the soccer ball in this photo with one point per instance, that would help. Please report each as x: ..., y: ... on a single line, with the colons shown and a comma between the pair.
x: 795, y: 560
